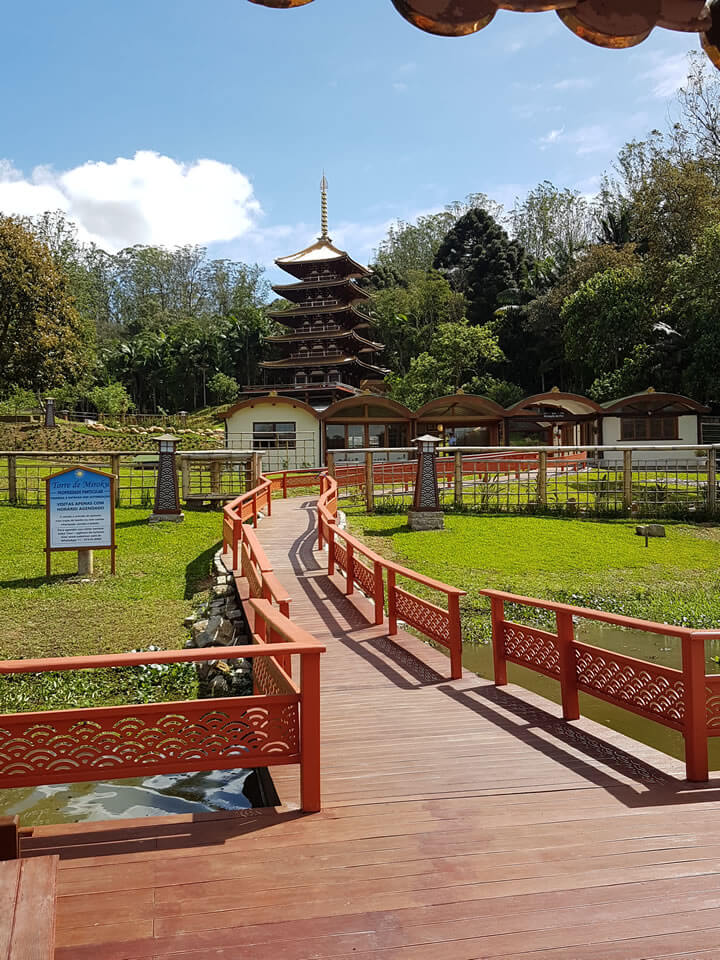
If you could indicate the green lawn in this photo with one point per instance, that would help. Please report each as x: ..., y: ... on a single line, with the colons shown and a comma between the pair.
x: 162, y: 574
x: 599, y: 564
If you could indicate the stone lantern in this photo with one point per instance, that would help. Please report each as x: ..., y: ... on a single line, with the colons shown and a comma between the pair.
x: 426, y: 513
x: 167, y: 495
x: 49, y: 412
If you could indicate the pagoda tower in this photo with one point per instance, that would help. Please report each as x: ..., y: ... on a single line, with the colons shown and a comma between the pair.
x: 327, y: 352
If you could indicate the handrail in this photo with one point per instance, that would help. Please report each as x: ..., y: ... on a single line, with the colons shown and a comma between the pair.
x: 687, y: 700
x: 278, y: 724
x: 439, y: 624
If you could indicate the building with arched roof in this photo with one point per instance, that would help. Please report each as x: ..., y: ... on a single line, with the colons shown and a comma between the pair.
x: 554, y: 418
x: 366, y: 421
x: 461, y: 419
x: 285, y: 430
x: 652, y: 418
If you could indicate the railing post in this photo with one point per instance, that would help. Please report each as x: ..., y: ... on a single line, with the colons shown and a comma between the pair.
x: 455, y: 636
x: 712, y: 481
x: 310, y: 796
x: 350, y: 553
x: 254, y: 511
x: 255, y: 468
x: 115, y: 468
x: 320, y: 537
x: 237, y: 542
x: 568, y: 669
x: 369, y: 484
x: 331, y: 464
x: 12, y: 477
x: 392, y: 604
x: 378, y: 593
x: 695, y: 727
x: 497, y: 616
x: 458, y: 479
x: 284, y: 485
x: 542, y: 478
x: 9, y: 838
x: 627, y: 479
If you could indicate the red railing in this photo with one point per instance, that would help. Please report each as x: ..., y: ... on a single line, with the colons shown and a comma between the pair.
x: 367, y: 569
x: 280, y: 724
x: 285, y: 480
x: 687, y: 699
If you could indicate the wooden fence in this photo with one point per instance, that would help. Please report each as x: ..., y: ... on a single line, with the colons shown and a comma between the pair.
x: 279, y: 724
x: 211, y: 475
x: 649, y: 481
x: 378, y: 578
x: 687, y: 700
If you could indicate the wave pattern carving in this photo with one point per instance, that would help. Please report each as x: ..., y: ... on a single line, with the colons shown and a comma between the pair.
x: 68, y: 746
x: 633, y: 684
x: 534, y: 648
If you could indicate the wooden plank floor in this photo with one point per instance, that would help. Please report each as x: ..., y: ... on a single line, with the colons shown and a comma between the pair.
x: 460, y: 822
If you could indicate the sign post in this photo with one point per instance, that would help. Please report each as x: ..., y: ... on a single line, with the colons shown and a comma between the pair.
x: 80, y: 515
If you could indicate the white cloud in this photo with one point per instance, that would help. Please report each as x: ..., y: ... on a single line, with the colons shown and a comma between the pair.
x: 595, y: 138
x: 552, y: 137
x: 148, y: 198
x: 667, y: 74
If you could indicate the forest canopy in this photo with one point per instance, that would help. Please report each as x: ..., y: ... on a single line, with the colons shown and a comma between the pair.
x: 604, y: 294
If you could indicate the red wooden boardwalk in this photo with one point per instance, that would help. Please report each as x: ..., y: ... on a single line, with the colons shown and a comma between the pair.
x: 460, y: 821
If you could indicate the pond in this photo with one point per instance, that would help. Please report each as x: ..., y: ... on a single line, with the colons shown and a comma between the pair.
x: 131, y: 799
x: 655, y: 648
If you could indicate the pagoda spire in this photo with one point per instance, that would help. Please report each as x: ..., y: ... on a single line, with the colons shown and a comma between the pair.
x: 324, y: 209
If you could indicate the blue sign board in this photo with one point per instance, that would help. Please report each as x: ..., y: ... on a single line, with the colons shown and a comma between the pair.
x: 81, y: 511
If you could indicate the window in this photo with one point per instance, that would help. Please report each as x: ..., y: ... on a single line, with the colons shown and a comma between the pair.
x: 649, y: 428
x: 274, y: 435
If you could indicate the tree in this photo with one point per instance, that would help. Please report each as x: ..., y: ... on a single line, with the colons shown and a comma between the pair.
x: 699, y: 122
x: 43, y: 340
x: 606, y: 318
x: 692, y: 293
x: 405, y: 318
x: 480, y: 261
x: 223, y: 389
x: 456, y: 352
x: 553, y: 223
x: 112, y: 399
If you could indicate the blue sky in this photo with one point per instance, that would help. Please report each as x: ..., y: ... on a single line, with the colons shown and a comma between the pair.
x: 108, y: 107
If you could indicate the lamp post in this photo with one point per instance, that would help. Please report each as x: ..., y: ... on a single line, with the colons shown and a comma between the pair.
x: 426, y: 513
x: 167, y: 495
x: 49, y: 412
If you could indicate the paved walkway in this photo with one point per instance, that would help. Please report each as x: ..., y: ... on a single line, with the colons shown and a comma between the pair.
x: 459, y: 822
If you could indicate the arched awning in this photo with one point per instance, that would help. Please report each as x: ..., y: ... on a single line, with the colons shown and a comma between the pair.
x: 638, y: 403
x: 367, y: 406
x: 573, y: 404
x: 605, y: 23
x: 461, y: 406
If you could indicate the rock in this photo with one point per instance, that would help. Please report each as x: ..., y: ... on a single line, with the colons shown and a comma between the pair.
x: 189, y: 621
x: 236, y: 614
x: 220, y: 686
x: 223, y: 590
x: 650, y: 530
x: 225, y: 633
x: 198, y: 628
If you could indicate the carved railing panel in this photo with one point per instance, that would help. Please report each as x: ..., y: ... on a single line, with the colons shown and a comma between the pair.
x: 340, y: 555
x: 364, y: 576
x: 71, y: 746
x: 644, y: 688
x: 250, y: 573
x: 530, y: 647
x: 712, y: 705
x: 433, y: 621
x: 271, y: 680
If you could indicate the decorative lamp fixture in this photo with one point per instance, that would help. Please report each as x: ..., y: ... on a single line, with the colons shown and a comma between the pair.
x: 426, y: 513
x: 167, y: 495
x: 606, y: 23
x: 50, y: 412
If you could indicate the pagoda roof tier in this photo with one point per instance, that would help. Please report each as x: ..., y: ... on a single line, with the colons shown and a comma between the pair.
x: 337, y: 312
x: 320, y: 335
x: 309, y: 363
x: 322, y: 254
x: 341, y: 289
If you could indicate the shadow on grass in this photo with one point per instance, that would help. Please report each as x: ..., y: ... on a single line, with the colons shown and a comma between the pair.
x: 34, y: 582
x: 132, y: 523
x: 198, y: 572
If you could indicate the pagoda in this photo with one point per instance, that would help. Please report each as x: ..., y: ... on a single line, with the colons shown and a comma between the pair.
x: 326, y: 352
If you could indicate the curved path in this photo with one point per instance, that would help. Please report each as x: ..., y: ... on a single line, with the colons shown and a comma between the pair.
x: 459, y: 822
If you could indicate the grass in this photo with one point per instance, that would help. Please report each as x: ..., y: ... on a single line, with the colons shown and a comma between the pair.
x: 163, y: 572
x: 599, y: 564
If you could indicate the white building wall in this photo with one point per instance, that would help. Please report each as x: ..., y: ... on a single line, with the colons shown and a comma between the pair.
x: 687, y: 430
x: 306, y: 451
